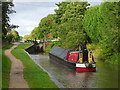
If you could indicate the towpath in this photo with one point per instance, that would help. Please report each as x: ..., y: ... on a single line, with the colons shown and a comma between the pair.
x: 16, y: 73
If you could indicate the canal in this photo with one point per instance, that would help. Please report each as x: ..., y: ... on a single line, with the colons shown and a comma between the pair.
x: 106, y: 76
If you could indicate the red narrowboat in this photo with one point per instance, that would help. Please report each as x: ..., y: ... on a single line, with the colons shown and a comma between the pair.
x: 73, y: 59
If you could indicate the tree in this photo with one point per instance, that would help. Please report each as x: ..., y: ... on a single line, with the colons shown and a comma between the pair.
x: 35, y: 33
x: 27, y: 37
x: 67, y: 19
x: 6, y: 27
x: 21, y: 37
x: 60, y: 11
x: 74, y: 11
x: 91, y: 23
x: 101, y: 23
x: 13, y: 36
x: 70, y: 20
x: 9, y: 37
x: 47, y: 25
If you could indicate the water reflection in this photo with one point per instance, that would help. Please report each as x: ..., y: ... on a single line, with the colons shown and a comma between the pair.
x: 105, y: 76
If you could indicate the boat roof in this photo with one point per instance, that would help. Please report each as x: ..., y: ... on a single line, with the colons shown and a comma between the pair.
x: 60, y: 52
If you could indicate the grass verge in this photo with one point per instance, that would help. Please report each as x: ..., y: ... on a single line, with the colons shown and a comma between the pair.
x: 33, y: 74
x: 6, y: 65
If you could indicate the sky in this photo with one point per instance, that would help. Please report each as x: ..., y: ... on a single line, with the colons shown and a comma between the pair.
x: 30, y: 12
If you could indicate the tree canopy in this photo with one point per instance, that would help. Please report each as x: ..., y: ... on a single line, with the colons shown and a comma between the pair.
x: 6, y: 27
x: 67, y: 19
x: 75, y: 22
x: 13, y: 36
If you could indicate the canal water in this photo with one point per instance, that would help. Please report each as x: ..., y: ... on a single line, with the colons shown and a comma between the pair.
x: 106, y: 76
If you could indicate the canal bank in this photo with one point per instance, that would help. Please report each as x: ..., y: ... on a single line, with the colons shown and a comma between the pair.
x: 33, y: 74
x: 6, y: 65
x: 16, y: 72
x: 30, y: 50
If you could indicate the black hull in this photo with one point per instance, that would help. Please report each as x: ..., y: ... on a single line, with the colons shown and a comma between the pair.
x: 69, y: 64
x: 58, y: 54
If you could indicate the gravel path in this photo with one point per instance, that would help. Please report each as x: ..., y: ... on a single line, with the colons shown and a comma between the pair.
x: 16, y: 74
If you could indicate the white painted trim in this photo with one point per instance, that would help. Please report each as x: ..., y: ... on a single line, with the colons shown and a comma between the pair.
x: 82, y: 65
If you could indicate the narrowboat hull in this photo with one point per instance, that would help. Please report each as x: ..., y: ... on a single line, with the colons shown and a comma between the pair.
x: 88, y: 67
x: 55, y: 58
x: 82, y: 67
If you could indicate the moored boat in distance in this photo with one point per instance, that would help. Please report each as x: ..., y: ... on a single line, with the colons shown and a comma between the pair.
x: 73, y: 59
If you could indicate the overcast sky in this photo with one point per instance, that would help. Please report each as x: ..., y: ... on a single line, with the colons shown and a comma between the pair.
x: 30, y: 12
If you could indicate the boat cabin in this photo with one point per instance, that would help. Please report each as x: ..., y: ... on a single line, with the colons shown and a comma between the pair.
x: 72, y: 55
x: 77, y: 56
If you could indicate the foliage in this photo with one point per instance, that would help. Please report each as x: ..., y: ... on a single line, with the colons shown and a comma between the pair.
x: 60, y: 11
x: 114, y: 59
x: 21, y: 37
x: 111, y: 24
x: 101, y: 25
x: 69, y: 28
x: 6, y: 27
x: 74, y: 12
x: 9, y: 37
x: 33, y: 74
x: 13, y: 36
x: 28, y: 37
x: 75, y: 22
x: 51, y: 45
x: 35, y: 34
x: 70, y: 35
x: 91, y: 24
x: 46, y: 25
x: 69, y: 23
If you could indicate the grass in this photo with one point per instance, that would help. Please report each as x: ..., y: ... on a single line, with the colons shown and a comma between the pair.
x: 33, y: 74
x: 6, y: 65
